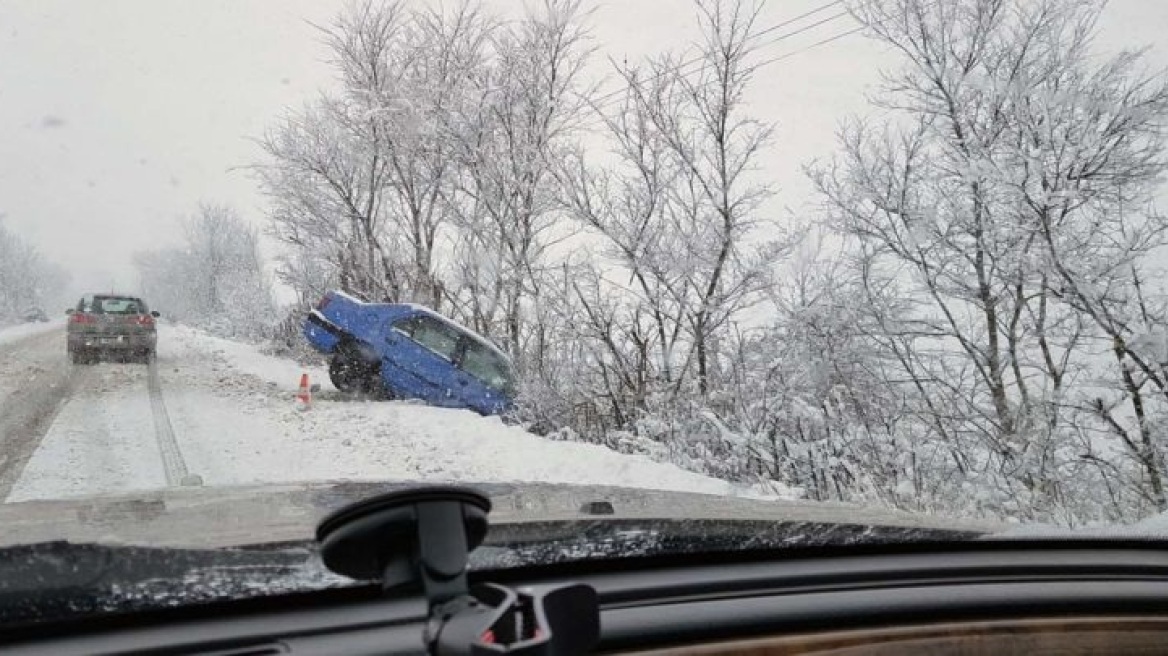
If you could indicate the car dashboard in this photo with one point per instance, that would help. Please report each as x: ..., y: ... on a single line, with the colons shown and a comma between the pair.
x: 977, y: 597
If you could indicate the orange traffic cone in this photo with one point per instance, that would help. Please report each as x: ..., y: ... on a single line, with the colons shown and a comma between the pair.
x: 304, y: 396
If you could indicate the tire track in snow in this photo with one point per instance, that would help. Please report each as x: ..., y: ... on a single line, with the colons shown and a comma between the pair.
x: 103, y: 440
x: 173, y: 463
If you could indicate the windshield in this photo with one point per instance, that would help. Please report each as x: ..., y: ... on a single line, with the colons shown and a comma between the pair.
x: 862, y: 263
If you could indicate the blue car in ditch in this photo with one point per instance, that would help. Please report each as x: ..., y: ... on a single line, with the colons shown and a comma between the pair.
x: 399, y: 350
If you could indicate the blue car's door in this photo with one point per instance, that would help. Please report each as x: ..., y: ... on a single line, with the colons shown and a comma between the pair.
x: 420, y: 353
x: 485, y: 379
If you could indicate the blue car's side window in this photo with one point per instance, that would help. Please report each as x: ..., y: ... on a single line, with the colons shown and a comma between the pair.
x: 434, y: 335
x: 486, y: 365
x: 402, y: 326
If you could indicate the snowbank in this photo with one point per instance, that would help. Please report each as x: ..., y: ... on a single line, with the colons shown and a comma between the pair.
x: 1154, y: 526
x: 243, y: 358
x: 233, y: 412
x: 236, y: 423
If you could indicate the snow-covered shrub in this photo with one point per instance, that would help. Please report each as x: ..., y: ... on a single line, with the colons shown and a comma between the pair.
x: 214, y: 279
x: 27, y: 279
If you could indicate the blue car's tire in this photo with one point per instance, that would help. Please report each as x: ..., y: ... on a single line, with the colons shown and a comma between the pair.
x: 343, y: 374
x: 353, y: 374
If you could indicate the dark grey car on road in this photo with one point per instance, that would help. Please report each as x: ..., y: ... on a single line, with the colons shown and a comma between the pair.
x: 111, y: 324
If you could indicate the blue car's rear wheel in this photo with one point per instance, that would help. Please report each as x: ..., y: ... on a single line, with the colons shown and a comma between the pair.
x: 343, y: 374
x: 351, y: 373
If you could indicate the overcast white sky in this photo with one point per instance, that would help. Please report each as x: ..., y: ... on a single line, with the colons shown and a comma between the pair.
x: 117, y: 117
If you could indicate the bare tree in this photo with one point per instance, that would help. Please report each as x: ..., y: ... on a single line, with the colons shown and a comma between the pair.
x: 631, y: 207
x: 366, y: 177
x: 327, y: 184
x: 680, y: 212
x: 1008, y: 145
x: 1086, y: 171
x: 530, y: 102
x: 410, y: 75
x: 214, y: 278
x: 27, y: 278
x: 717, y: 149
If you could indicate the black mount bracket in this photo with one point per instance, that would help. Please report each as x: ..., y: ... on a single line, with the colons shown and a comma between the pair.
x: 425, y: 535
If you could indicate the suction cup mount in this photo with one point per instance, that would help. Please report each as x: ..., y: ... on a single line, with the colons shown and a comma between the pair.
x: 425, y: 535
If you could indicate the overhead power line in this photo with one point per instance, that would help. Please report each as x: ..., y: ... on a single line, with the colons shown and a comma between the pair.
x: 830, y: 39
x: 796, y: 19
x: 608, y: 98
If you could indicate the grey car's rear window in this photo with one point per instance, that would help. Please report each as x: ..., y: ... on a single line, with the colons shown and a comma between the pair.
x: 112, y: 305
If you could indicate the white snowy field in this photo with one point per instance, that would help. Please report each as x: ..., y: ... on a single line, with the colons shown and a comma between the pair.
x: 236, y: 422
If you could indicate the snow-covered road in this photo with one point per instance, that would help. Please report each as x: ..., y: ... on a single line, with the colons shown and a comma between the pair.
x: 231, y: 411
x: 35, y: 381
x: 22, y: 331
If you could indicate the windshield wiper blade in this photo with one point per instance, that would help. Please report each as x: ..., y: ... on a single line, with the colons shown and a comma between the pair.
x: 58, y: 579
x: 61, y: 580
x: 544, y: 543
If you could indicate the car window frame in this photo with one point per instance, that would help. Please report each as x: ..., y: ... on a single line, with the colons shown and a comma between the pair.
x: 404, y: 325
